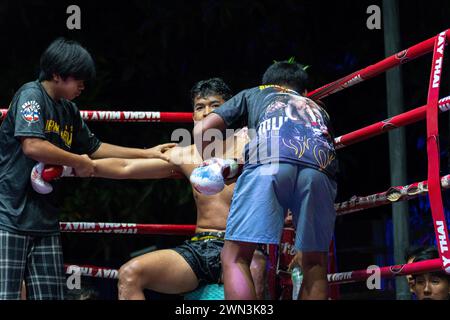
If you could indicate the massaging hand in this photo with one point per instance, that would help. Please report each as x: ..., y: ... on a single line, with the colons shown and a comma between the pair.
x: 158, y: 151
x: 85, y: 167
x: 209, y: 178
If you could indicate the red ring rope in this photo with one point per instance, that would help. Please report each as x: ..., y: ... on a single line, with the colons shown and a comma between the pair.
x: 333, y: 278
x: 127, y: 228
x: 434, y: 183
x: 388, y: 124
x: 393, y: 194
x: 376, y: 69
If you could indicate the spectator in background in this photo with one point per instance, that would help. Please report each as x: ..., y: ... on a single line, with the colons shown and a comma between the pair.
x: 430, y: 285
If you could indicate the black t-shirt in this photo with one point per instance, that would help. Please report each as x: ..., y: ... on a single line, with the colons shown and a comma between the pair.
x: 289, y: 127
x: 33, y: 113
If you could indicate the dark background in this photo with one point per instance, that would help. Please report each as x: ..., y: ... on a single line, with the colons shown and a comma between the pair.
x: 150, y: 53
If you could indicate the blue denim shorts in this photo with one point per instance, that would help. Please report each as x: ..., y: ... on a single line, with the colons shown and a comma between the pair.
x: 264, y: 193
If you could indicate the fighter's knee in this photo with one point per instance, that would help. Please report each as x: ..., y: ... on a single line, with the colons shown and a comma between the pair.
x: 130, y: 273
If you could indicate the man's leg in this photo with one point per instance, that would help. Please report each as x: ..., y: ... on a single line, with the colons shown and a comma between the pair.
x: 258, y: 271
x: 12, y: 264
x: 163, y: 271
x: 236, y: 258
x: 45, y: 269
x: 314, y: 217
x: 314, y: 266
x: 256, y: 216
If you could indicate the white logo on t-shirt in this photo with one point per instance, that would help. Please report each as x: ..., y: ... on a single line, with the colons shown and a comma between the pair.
x: 30, y: 111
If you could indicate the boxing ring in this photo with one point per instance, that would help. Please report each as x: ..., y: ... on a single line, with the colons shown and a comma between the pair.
x: 356, y: 204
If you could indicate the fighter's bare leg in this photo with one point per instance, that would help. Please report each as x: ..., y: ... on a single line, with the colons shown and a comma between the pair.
x: 236, y: 258
x: 163, y: 271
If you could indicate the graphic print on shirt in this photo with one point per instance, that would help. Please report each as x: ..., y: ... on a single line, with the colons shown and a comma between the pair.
x: 66, y: 133
x: 299, y: 124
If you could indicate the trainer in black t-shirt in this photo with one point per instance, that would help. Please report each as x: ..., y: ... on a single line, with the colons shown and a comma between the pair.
x: 33, y: 113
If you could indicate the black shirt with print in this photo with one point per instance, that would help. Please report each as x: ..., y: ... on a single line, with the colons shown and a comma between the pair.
x: 33, y: 113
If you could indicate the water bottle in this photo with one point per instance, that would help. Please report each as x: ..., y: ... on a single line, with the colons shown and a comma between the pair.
x: 297, y: 278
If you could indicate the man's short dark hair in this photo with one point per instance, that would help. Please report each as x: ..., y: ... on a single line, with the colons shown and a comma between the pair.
x: 426, y: 253
x: 66, y: 58
x: 287, y: 73
x: 429, y: 253
x: 412, y: 251
x: 211, y: 87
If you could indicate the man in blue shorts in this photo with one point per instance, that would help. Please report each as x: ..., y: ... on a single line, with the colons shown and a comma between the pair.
x: 290, y: 163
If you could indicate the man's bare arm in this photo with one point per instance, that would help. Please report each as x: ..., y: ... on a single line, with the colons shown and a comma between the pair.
x: 107, y: 150
x: 115, y: 168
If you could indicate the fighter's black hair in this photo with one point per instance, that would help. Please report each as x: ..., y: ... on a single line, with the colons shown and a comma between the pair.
x: 213, y: 86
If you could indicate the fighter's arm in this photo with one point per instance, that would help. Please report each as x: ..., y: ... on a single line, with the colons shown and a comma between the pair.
x: 107, y: 150
x: 115, y: 168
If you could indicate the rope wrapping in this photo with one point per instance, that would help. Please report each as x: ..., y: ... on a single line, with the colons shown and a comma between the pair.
x: 393, y: 194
